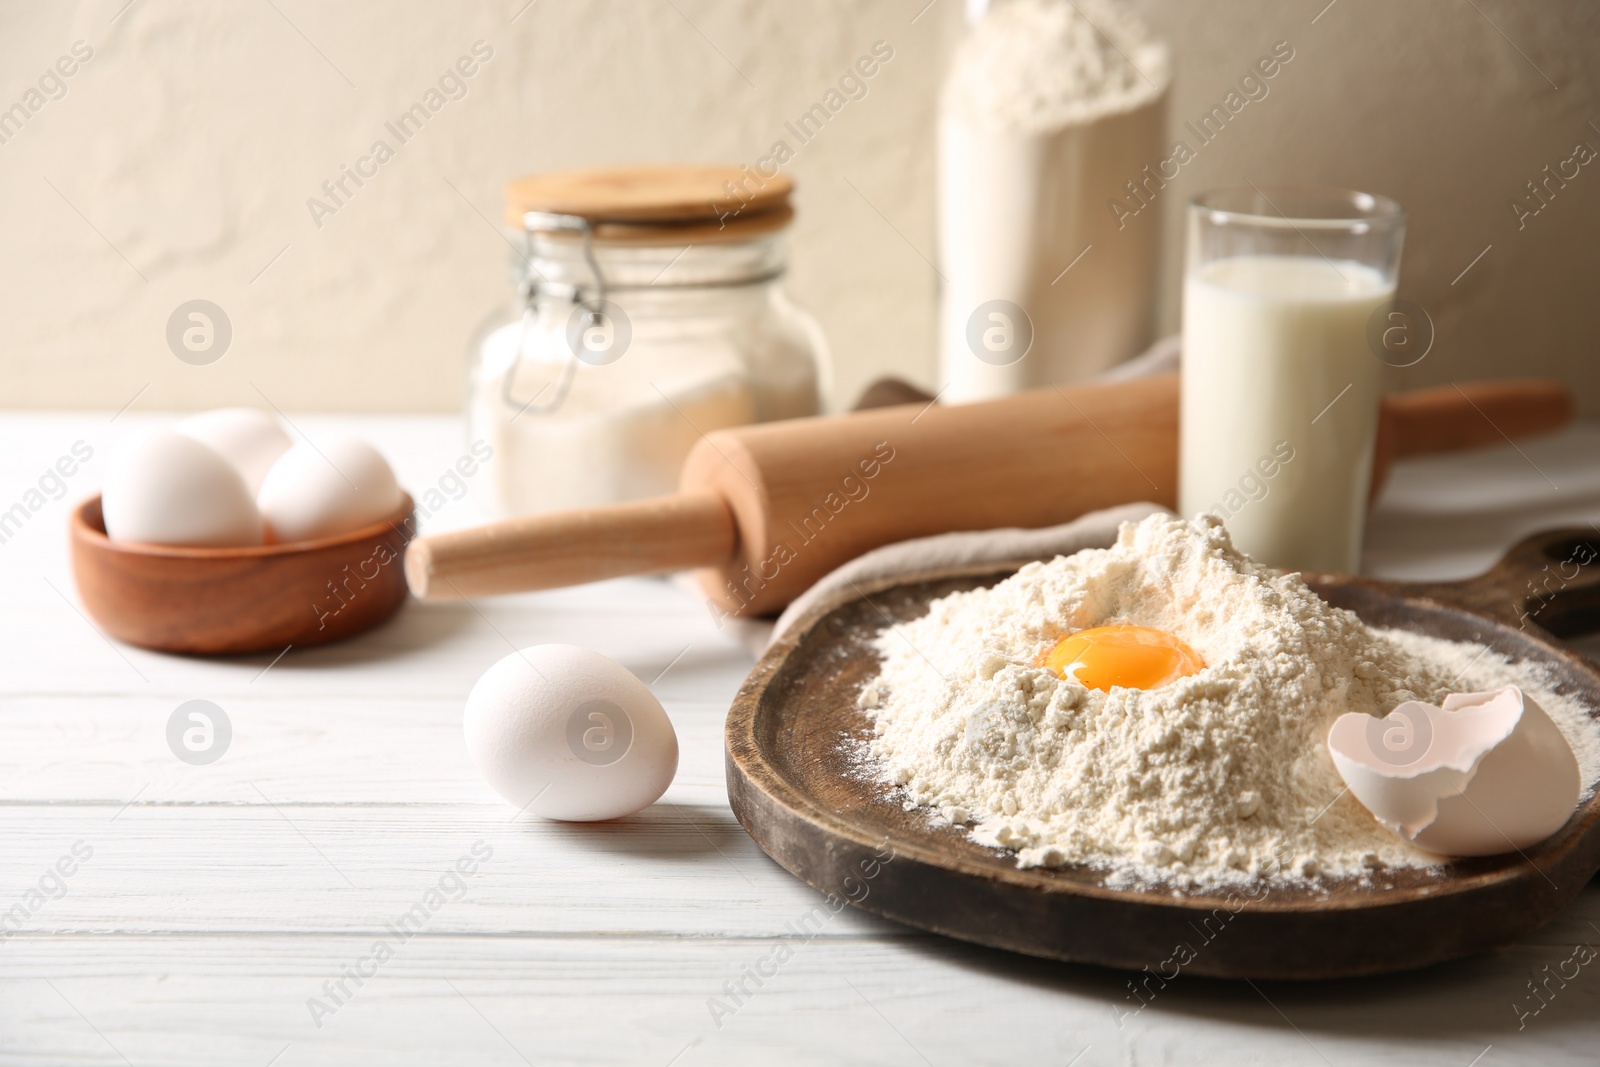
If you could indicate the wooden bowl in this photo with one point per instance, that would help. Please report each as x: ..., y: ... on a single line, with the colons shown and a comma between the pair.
x: 220, y: 601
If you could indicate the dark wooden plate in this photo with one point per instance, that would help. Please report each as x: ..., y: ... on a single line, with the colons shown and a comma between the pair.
x: 792, y: 784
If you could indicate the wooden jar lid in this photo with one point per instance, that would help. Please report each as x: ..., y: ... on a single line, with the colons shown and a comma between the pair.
x: 674, y: 203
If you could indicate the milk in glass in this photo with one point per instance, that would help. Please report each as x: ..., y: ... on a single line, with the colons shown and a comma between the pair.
x: 1279, y: 404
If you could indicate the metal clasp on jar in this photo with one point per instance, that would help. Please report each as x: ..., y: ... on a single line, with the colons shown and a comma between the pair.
x: 591, y: 300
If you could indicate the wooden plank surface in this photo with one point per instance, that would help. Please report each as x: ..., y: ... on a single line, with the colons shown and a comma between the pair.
x: 506, y: 1000
x: 219, y: 899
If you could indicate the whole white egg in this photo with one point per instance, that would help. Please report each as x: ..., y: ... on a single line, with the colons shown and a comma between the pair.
x: 165, y: 488
x: 568, y: 734
x: 249, y: 439
x: 310, y: 494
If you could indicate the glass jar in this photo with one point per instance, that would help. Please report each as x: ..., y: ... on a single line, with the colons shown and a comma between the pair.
x: 628, y: 341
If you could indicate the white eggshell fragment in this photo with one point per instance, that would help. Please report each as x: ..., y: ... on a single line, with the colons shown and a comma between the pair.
x: 310, y: 493
x: 164, y: 488
x: 568, y: 734
x: 1483, y: 774
x: 249, y: 439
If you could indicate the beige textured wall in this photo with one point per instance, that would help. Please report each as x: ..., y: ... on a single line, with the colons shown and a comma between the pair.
x: 178, y: 161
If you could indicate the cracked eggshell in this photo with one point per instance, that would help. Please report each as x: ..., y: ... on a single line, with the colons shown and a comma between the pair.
x: 310, y: 494
x: 249, y: 439
x: 164, y: 488
x: 1483, y: 774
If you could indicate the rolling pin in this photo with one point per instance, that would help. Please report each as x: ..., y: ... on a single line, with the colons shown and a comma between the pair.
x: 764, y: 511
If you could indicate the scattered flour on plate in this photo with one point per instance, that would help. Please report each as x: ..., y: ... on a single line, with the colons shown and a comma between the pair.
x: 1220, y: 777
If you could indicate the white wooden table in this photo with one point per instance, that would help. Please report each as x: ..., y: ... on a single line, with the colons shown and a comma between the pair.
x: 223, y: 903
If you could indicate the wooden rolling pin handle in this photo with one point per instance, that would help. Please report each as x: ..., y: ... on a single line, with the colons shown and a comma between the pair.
x: 563, y: 548
x: 1449, y: 418
x: 1453, y: 417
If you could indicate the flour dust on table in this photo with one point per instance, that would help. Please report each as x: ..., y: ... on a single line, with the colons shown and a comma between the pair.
x: 1219, y: 776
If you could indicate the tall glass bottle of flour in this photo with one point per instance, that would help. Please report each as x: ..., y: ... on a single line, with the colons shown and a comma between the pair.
x: 648, y: 313
x: 1281, y: 382
x: 1050, y: 137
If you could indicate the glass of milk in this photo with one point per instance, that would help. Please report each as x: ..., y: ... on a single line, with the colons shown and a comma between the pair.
x: 1280, y: 393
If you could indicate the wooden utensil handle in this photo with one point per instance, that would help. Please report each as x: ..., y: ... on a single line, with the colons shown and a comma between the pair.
x: 1548, y: 582
x: 1452, y: 417
x: 570, y: 547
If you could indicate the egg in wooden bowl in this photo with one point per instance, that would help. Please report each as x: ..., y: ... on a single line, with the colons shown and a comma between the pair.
x: 232, y: 541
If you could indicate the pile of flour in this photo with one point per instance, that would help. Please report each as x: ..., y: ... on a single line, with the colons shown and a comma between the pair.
x: 1220, y: 777
x: 1033, y: 66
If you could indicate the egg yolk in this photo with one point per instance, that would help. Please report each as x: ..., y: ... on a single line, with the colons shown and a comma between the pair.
x: 1134, y: 657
